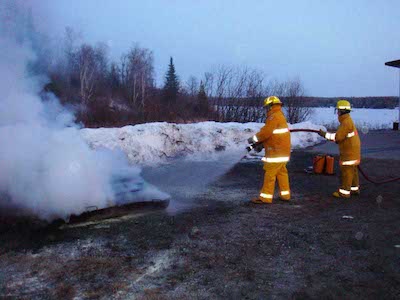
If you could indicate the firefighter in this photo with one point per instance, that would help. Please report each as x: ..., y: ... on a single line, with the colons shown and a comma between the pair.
x: 275, y: 137
x: 348, y: 140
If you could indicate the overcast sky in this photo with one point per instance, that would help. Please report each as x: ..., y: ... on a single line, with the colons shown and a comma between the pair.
x: 336, y: 47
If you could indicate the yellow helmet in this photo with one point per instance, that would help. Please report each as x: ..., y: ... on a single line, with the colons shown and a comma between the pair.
x: 272, y: 100
x: 343, y: 105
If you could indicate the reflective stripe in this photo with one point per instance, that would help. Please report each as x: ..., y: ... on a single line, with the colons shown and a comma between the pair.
x: 344, y: 192
x: 285, y: 193
x: 280, y: 131
x: 351, y: 134
x: 266, y: 196
x: 275, y: 159
x: 255, y: 139
x: 349, y: 162
x: 330, y: 136
x: 344, y: 107
x: 354, y: 188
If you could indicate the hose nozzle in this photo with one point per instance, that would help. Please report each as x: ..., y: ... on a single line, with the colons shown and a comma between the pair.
x: 249, y: 148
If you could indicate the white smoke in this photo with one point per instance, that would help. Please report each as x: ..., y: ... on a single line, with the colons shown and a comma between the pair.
x: 46, y: 168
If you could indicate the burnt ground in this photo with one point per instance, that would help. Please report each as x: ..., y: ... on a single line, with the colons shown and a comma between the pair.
x: 315, y: 247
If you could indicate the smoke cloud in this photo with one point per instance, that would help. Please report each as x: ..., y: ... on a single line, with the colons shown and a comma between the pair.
x: 46, y: 168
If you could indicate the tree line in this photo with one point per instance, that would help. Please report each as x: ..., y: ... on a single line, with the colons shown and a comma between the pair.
x: 104, y: 92
x: 357, y: 102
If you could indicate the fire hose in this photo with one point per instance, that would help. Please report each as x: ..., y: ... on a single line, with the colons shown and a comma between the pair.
x: 258, y: 148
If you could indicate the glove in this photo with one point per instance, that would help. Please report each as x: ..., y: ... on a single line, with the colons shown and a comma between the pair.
x: 322, y: 133
x: 258, y: 147
x: 250, y: 140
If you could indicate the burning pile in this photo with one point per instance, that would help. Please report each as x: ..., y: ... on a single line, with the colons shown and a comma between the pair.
x: 46, y: 168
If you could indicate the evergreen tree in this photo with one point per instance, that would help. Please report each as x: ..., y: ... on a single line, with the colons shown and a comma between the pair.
x: 171, y: 87
x: 202, y: 100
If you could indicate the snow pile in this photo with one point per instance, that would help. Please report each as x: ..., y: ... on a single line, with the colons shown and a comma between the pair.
x: 301, y: 140
x: 153, y: 143
x: 364, y: 118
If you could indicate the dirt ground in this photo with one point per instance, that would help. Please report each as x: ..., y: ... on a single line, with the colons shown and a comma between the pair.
x: 315, y: 247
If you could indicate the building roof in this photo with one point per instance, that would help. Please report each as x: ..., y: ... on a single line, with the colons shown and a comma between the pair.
x: 394, y: 63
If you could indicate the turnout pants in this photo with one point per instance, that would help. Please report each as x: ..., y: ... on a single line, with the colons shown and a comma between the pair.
x: 349, y: 180
x: 273, y: 172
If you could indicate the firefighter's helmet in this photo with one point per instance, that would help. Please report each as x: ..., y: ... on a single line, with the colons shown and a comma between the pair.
x: 343, y: 105
x: 271, y: 100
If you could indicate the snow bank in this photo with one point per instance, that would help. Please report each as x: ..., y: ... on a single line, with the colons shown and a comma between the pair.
x: 157, y: 142
x: 305, y: 139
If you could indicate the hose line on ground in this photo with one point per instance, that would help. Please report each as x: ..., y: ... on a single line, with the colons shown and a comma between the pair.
x: 359, y: 168
x: 376, y: 182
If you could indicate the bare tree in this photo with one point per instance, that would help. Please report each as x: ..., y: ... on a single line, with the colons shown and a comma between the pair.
x: 71, y: 48
x: 114, y: 80
x: 87, y: 69
x: 208, y: 83
x: 236, y: 93
x: 137, y: 76
x: 71, y: 40
x: 192, y: 87
x: 92, y: 65
x: 292, y: 94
